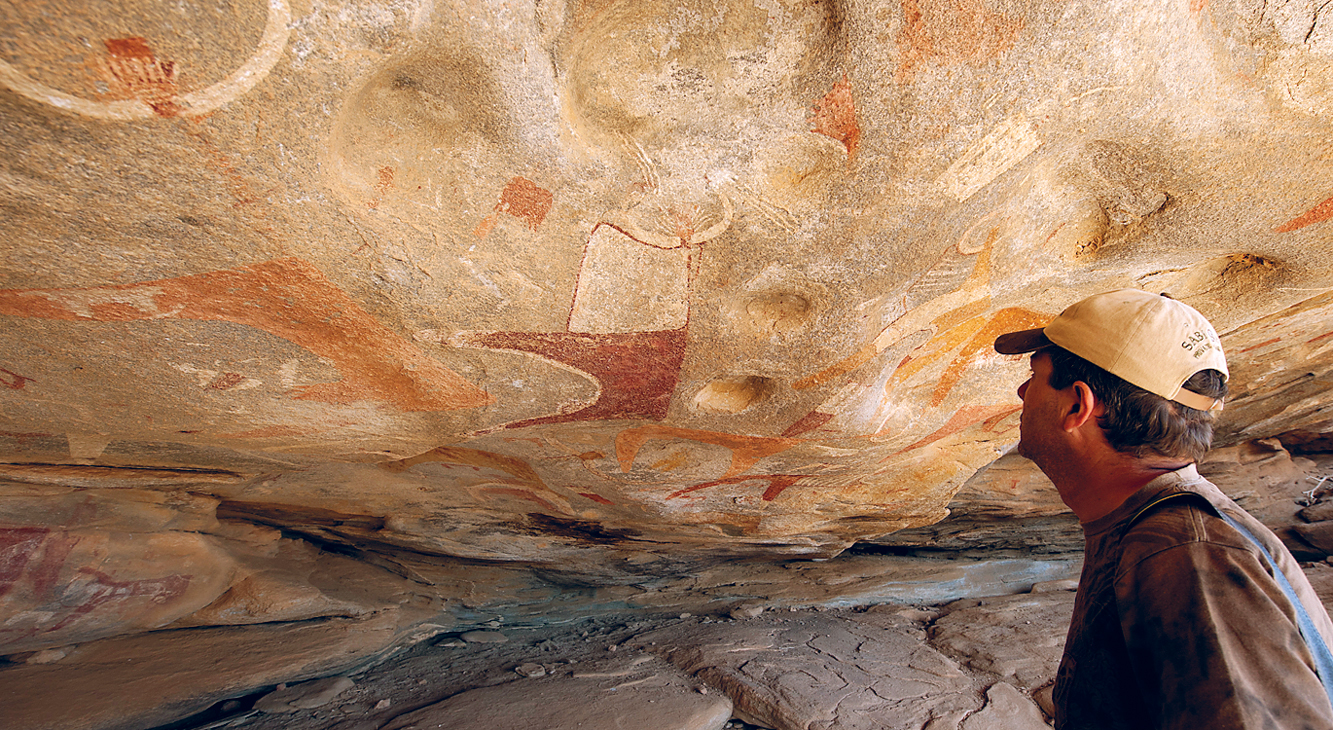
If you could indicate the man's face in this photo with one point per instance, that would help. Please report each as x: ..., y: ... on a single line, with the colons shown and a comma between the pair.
x: 1038, y: 423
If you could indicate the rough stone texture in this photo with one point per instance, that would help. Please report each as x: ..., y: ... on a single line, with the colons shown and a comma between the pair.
x: 1006, y: 709
x: 571, y: 281
x: 1018, y: 639
x: 84, y: 564
x: 143, y: 681
x: 822, y: 671
x: 623, y: 692
x: 304, y: 696
x: 525, y: 310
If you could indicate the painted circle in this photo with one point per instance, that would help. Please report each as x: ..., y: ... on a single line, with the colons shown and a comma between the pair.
x: 254, y: 70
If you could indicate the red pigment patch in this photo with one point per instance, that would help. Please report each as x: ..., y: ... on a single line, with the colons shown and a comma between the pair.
x: 383, y: 184
x: 951, y: 31
x: 1317, y: 214
x: 599, y: 499
x: 129, y: 48
x: 17, y: 547
x: 483, y: 228
x: 638, y: 371
x: 1011, y: 319
x: 385, y: 179
x: 522, y: 198
x: 288, y: 298
x: 808, y: 423
x: 1265, y: 343
x: 1324, y: 336
x: 835, y: 116
x: 746, y: 451
x: 226, y: 381
x: 135, y: 72
x: 776, y: 484
x: 46, y: 574
x: 14, y: 381
x: 102, y: 589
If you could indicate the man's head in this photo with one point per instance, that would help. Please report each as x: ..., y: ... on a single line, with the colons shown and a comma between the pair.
x: 1154, y: 364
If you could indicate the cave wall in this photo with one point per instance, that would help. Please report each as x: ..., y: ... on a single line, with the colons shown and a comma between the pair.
x: 345, y: 309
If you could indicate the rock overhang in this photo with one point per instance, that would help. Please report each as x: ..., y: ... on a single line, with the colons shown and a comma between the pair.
x: 623, y: 289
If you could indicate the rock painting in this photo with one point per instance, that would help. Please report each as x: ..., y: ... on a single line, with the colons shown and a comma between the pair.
x: 950, y: 305
x: 807, y: 423
x: 95, y: 589
x: 976, y: 335
x: 627, y: 286
x: 135, y: 72
x: 835, y: 117
x: 523, y: 199
x: 934, y: 301
x: 35, y: 546
x: 951, y: 31
x: 776, y: 484
x: 1008, y: 144
x: 12, y: 380
x: 636, y: 372
x: 628, y: 322
x: 383, y: 184
x: 1317, y: 214
x: 746, y: 451
x: 31, y: 561
x: 288, y: 298
x: 151, y: 82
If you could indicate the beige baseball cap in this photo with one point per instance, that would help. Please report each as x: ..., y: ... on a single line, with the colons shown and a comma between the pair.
x: 1149, y: 340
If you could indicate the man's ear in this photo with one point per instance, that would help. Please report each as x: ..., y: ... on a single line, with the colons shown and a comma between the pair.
x: 1081, y: 406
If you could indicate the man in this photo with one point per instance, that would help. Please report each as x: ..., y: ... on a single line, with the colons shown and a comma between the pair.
x: 1179, y: 621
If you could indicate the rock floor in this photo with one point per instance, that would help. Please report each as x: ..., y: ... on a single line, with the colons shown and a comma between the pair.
x: 972, y: 664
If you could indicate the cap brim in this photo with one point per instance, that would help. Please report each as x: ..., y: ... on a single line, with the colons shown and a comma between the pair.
x: 1017, y: 343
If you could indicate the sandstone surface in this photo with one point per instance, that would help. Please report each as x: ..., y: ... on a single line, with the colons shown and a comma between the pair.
x: 486, y: 314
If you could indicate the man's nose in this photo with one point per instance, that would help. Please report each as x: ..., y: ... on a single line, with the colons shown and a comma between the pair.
x: 1023, y: 389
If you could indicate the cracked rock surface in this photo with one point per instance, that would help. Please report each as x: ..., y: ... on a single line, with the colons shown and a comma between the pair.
x: 971, y: 664
x: 824, y: 671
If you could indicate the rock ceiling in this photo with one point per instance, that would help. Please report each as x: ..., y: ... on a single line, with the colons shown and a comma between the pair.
x: 608, y: 288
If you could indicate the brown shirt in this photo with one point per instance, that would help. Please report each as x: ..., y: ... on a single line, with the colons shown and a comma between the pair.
x: 1178, y: 622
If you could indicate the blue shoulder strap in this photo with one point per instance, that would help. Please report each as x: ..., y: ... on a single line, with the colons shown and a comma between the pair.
x: 1323, y: 659
x: 1314, y: 641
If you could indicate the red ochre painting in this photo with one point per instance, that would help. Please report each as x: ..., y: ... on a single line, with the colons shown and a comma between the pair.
x: 835, y: 116
x: 988, y: 416
x: 777, y: 483
x: 951, y: 31
x: 1317, y: 214
x: 21, y: 546
x: 523, y: 199
x: 637, y: 371
x: 133, y: 71
x: 288, y: 298
x: 33, y: 557
x: 746, y: 451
